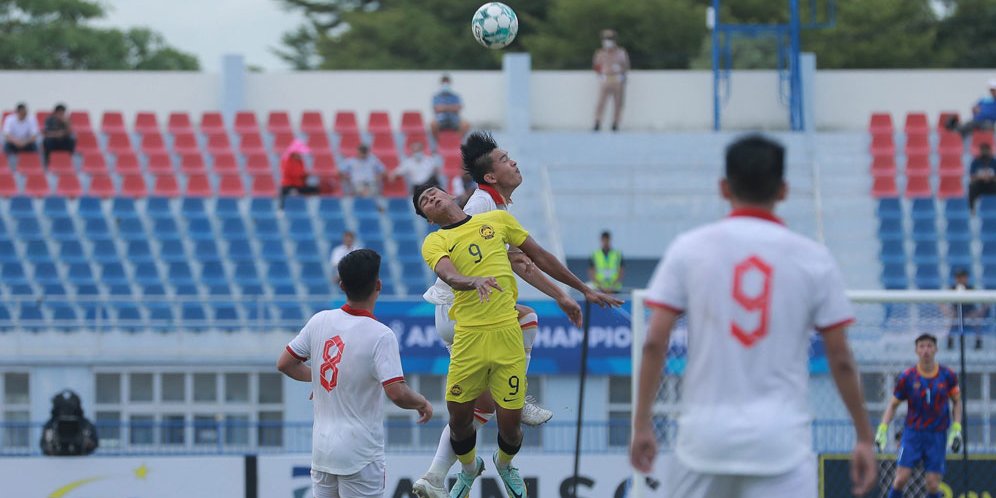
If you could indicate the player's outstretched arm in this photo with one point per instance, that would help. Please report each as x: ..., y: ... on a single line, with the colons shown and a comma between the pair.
x: 293, y: 367
x: 524, y: 268
x: 643, y: 449
x: 553, y: 267
x: 458, y: 281
x: 845, y: 374
x: 404, y: 397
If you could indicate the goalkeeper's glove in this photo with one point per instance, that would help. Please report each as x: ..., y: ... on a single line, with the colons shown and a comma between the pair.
x: 954, y: 437
x: 882, y: 436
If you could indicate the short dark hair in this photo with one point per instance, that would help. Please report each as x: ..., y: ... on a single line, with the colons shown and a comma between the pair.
x: 419, y: 190
x: 60, y: 107
x: 755, y: 169
x: 606, y: 234
x: 476, y: 152
x: 21, y: 106
x: 358, y: 273
x: 925, y: 337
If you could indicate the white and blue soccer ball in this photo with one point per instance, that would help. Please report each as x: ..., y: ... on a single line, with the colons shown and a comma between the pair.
x: 494, y: 25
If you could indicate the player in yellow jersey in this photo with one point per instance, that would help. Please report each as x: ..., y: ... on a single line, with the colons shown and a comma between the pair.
x: 470, y: 253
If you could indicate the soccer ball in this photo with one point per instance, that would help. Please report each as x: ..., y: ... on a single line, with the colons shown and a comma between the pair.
x: 494, y: 25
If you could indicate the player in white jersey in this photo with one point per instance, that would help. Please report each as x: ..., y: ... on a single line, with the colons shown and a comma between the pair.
x: 496, y: 180
x: 753, y: 292
x: 355, y: 361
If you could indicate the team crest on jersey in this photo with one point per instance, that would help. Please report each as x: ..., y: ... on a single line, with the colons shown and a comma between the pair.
x: 916, y: 385
x: 456, y: 390
x: 487, y: 232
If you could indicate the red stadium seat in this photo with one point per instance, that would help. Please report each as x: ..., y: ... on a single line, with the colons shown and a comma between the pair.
x: 212, y: 123
x: 345, y: 122
x: 119, y: 143
x: 950, y: 142
x: 68, y: 185
x: 224, y: 163
x: 3, y: 161
x: 379, y: 122
x: 324, y: 165
x: 917, y: 145
x: 101, y: 186
x: 219, y: 143
x: 160, y: 163
x: 127, y: 164
x: 179, y: 122
x: 450, y: 140
x: 263, y: 186
x: 453, y: 163
x: 882, y: 186
x: 199, y: 186
x: 192, y: 164
x: 29, y: 163
x: 80, y: 121
x: 94, y: 163
x: 980, y: 137
x: 185, y: 143
x: 133, y: 186
x: 231, y: 186
x: 312, y: 123
x: 112, y: 122
x: 251, y: 143
x: 153, y: 143
x: 420, y: 137
x: 319, y: 142
x: 383, y: 141
x: 60, y: 162
x: 918, y: 164
x: 86, y: 142
x: 942, y: 120
x: 348, y: 144
x: 918, y: 185
x: 951, y: 163
x: 916, y: 123
x: 257, y: 164
x: 146, y: 122
x: 880, y: 123
x: 389, y: 158
x: 881, y: 144
x: 8, y: 184
x: 281, y: 141
x: 951, y: 185
x: 245, y: 122
x: 166, y: 186
x: 36, y: 185
x: 278, y: 122
x: 395, y: 188
x: 40, y: 117
x: 411, y: 123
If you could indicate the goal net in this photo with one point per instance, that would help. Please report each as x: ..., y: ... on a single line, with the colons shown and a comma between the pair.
x: 887, y: 322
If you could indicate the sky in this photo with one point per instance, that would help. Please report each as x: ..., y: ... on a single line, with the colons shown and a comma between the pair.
x: 210, y: 28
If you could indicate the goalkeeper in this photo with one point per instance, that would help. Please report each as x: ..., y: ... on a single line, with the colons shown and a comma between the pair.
x: 927, y: 389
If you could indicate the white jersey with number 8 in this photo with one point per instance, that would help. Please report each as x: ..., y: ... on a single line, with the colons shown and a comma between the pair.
x: 753, y: 292
x: 353, y: 356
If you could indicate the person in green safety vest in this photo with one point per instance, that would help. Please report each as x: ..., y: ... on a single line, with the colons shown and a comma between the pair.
x: 606, y: 267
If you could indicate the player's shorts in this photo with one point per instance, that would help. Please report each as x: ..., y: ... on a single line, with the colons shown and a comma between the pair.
x: 488, y: 359
x: 680, y: 481
x: 445, y: 326
x: 929, y: 447
x: 369, y: 482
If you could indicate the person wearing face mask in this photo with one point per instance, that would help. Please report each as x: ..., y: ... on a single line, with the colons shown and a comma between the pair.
x: 446, y: 105
x: 611, y: 62
x: 419, y: 168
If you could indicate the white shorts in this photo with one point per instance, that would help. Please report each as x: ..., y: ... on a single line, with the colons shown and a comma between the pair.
x: 680, y: 481
x: 444, y: 326
x: 369, y: 482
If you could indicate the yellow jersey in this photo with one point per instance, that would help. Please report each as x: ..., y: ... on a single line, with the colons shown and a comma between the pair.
x: 477, y: 247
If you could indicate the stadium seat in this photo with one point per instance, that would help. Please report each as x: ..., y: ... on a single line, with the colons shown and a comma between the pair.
x: 916, y: 124
x: 917, y: 164
x: 94, y: 163
x: 46, y: 273
x: 68, y: 185
x: 198, y: 185
x: 213, y: 273
x: 894, y: 276
x: 348, y: 142
x: 411, y: 123
x: 212, y: 123
x: 956, y: 209
x: 90, y: 207
x: 281, y: 141
x: 123, y: 207
x: 192, y: 164
x: 267, y: 229
x: 958, y: 229
x: 980, y: 137
x: 918, y: 185
x: 29, y: 163
x: 378, y: 122
x: 80, y: 121
x: 345, y: 123
x: 200, y: 229
x: 86, y: 142
x: 917, y: 145
x: 153, y: 143
x: 185, y: 143
x: 261, y: 207
x: 950, y: 142
x: 234, y: 229
x: 8, y: 184
x: 245, y: 122
x: 924, y: 230
x: 119, y: 143
x: 127, y: 163
x: 319, y: 143
x: 62, y: 228
x: 927, y: 277
x: 880, y: 123
x: 54, y: 206
x: 943, y: 118
x: 300, y: 228
x: 951, y: 185
x: 146, y: 123
x: 112, y: 123
x: 890, y: 228
x: 225, y: 207
x: 926, y: 253
x: 159, y: 163
x: 451, y: 140
x: 166, y: 186
x: 251, y: 143
x: 987, y: 206
x: 263, y: 186
x: 133, y: 186
x: 959, y: 254
x: 395, y: 188
x: 96, y: 229
x: 101, y: 186
x: 138, y: 251
x: 224, y: 163
x: 923, y: 209
x: 324, y: 165
x: 36, y: 185
x: 306, y: 250
x: 193, y: 207
x: 179, y: 123
x: 22, y: 207
x: 161, y: 317
x: 219, y: 144
x: 951, y: 163
x: 231, y: 186
x: 258, y: 164
x: 60, y: 162
x: 278, y: 122
x: 312, y: 123
x: 296, y: 207
x: 882, y: 144
x: 882, y: 185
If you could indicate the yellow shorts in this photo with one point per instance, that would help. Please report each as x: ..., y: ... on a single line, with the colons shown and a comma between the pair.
x: 488, y: 358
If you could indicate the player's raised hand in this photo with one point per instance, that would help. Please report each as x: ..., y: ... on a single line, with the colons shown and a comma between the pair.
x: 643, y: 450
x: 864, y: 469
x: 424, y: 411
x: 602, y: 299
x: 483, y: 286
x: 571, y: 308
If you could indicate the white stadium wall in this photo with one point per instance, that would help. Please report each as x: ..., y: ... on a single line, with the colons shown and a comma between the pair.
x: 656, y: 100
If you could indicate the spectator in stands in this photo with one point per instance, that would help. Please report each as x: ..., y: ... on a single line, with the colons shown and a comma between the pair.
x: 294, y: 176
x: 983, y: 175
x: 419, y: 168
x: 363, y: 174
x: 340, y: 251
x: 462, y: 187
x: 447, y: 106
x: 58, y: 132
x: 20, y: 132
x: 606, y: 266
x: 983, y: 114
x: 974, y: 314
x: 611, y: 62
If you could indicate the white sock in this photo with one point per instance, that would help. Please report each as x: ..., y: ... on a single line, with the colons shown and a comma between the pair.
x: 445, y: 458
x: 530, y: 326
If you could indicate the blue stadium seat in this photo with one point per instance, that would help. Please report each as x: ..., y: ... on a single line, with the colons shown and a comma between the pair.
x: 90, y: 207
x: 206, y: 251
x: 178, y: 273
x: 925, y: 230
x: 369, y: 228
x: 127, y: 317
x: 376, y: 245
x: 234, y: 229
x: 959, y: 254
x: 19, y: 288
x: 312, y: 271
x: 226, y: 207
x: 120, y: 290
x: 123, y: 207
x: 364, y: 206
x: 262, y: 208
x: 249, y: 288
x: 273, y: 250
x: 329, y: 206
x: 956, y: 209
x: 105, y: 251
x: 221, y: 289
x: 36, y: 251
x: 8, y: 252
x: 923, y: 209
x: 226, y: 316
x: 267, y: 229
x: 245, y: 271
x: 54, y: 289
x: 958, y: 229
x: 987, y: 206
x: 893, y: 251
x: 30, y: 316
x: 193, y: 207
x: 96, y: 229
x: 13, y: 273
x: 213, y: 273
x: 239, y: 250
x: 80, y: 274
x: 318, y: 287
x: 306, y: 250
x: 71, y: 251
x: 113, y: 274
x: 160, y: 316
x: 927, y: 277
x: 153, y: 290
x: 54, y: 207
x: 894, y: 276
x: 63, y: 228
x: 5, y: 233
x: 333, y: 228
x: 283, y: 288
x: 28, y: 229
x: 21, y: 207
x: 158, y: 208
x: 193, y: 316
x: 987, y: 230
x: 889, y: 207
x: 988, y: 255
x: 296, y: 207
x: 171, y: 251
x: 301, y: 228
x: 200, y: 229
x: 86, y: 289
x: 408, y: 245
x: 130, y: 229
x: 46, y: 273
x: 925, y: 253
x: 64, y: 316
x: 890, y: 228
x: 138, y: 251
x: 278, y: 272
x: 404, y: 227
x: 6, y: 319
x: 290, y: 312
x: 388, y: 288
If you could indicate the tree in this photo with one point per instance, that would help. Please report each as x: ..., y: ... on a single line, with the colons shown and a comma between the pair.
x: 968, y: 33
x: 54, y: 34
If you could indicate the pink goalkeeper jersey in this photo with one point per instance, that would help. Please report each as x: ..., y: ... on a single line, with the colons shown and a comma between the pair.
x: 353, y: 356
x: 753, y: 292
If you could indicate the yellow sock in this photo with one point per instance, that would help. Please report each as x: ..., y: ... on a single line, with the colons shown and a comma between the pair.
x: 469, y: 461
x: 504, y: 458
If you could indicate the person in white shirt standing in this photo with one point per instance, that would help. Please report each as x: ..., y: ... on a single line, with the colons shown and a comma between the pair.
x: 20, y: 132
x: 340, y: 251
x: 356, y: 359
x: 418, y: 168
x: 753, y: 291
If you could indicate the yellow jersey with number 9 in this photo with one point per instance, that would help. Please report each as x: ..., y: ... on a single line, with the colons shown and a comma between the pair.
x: 477, y: 247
